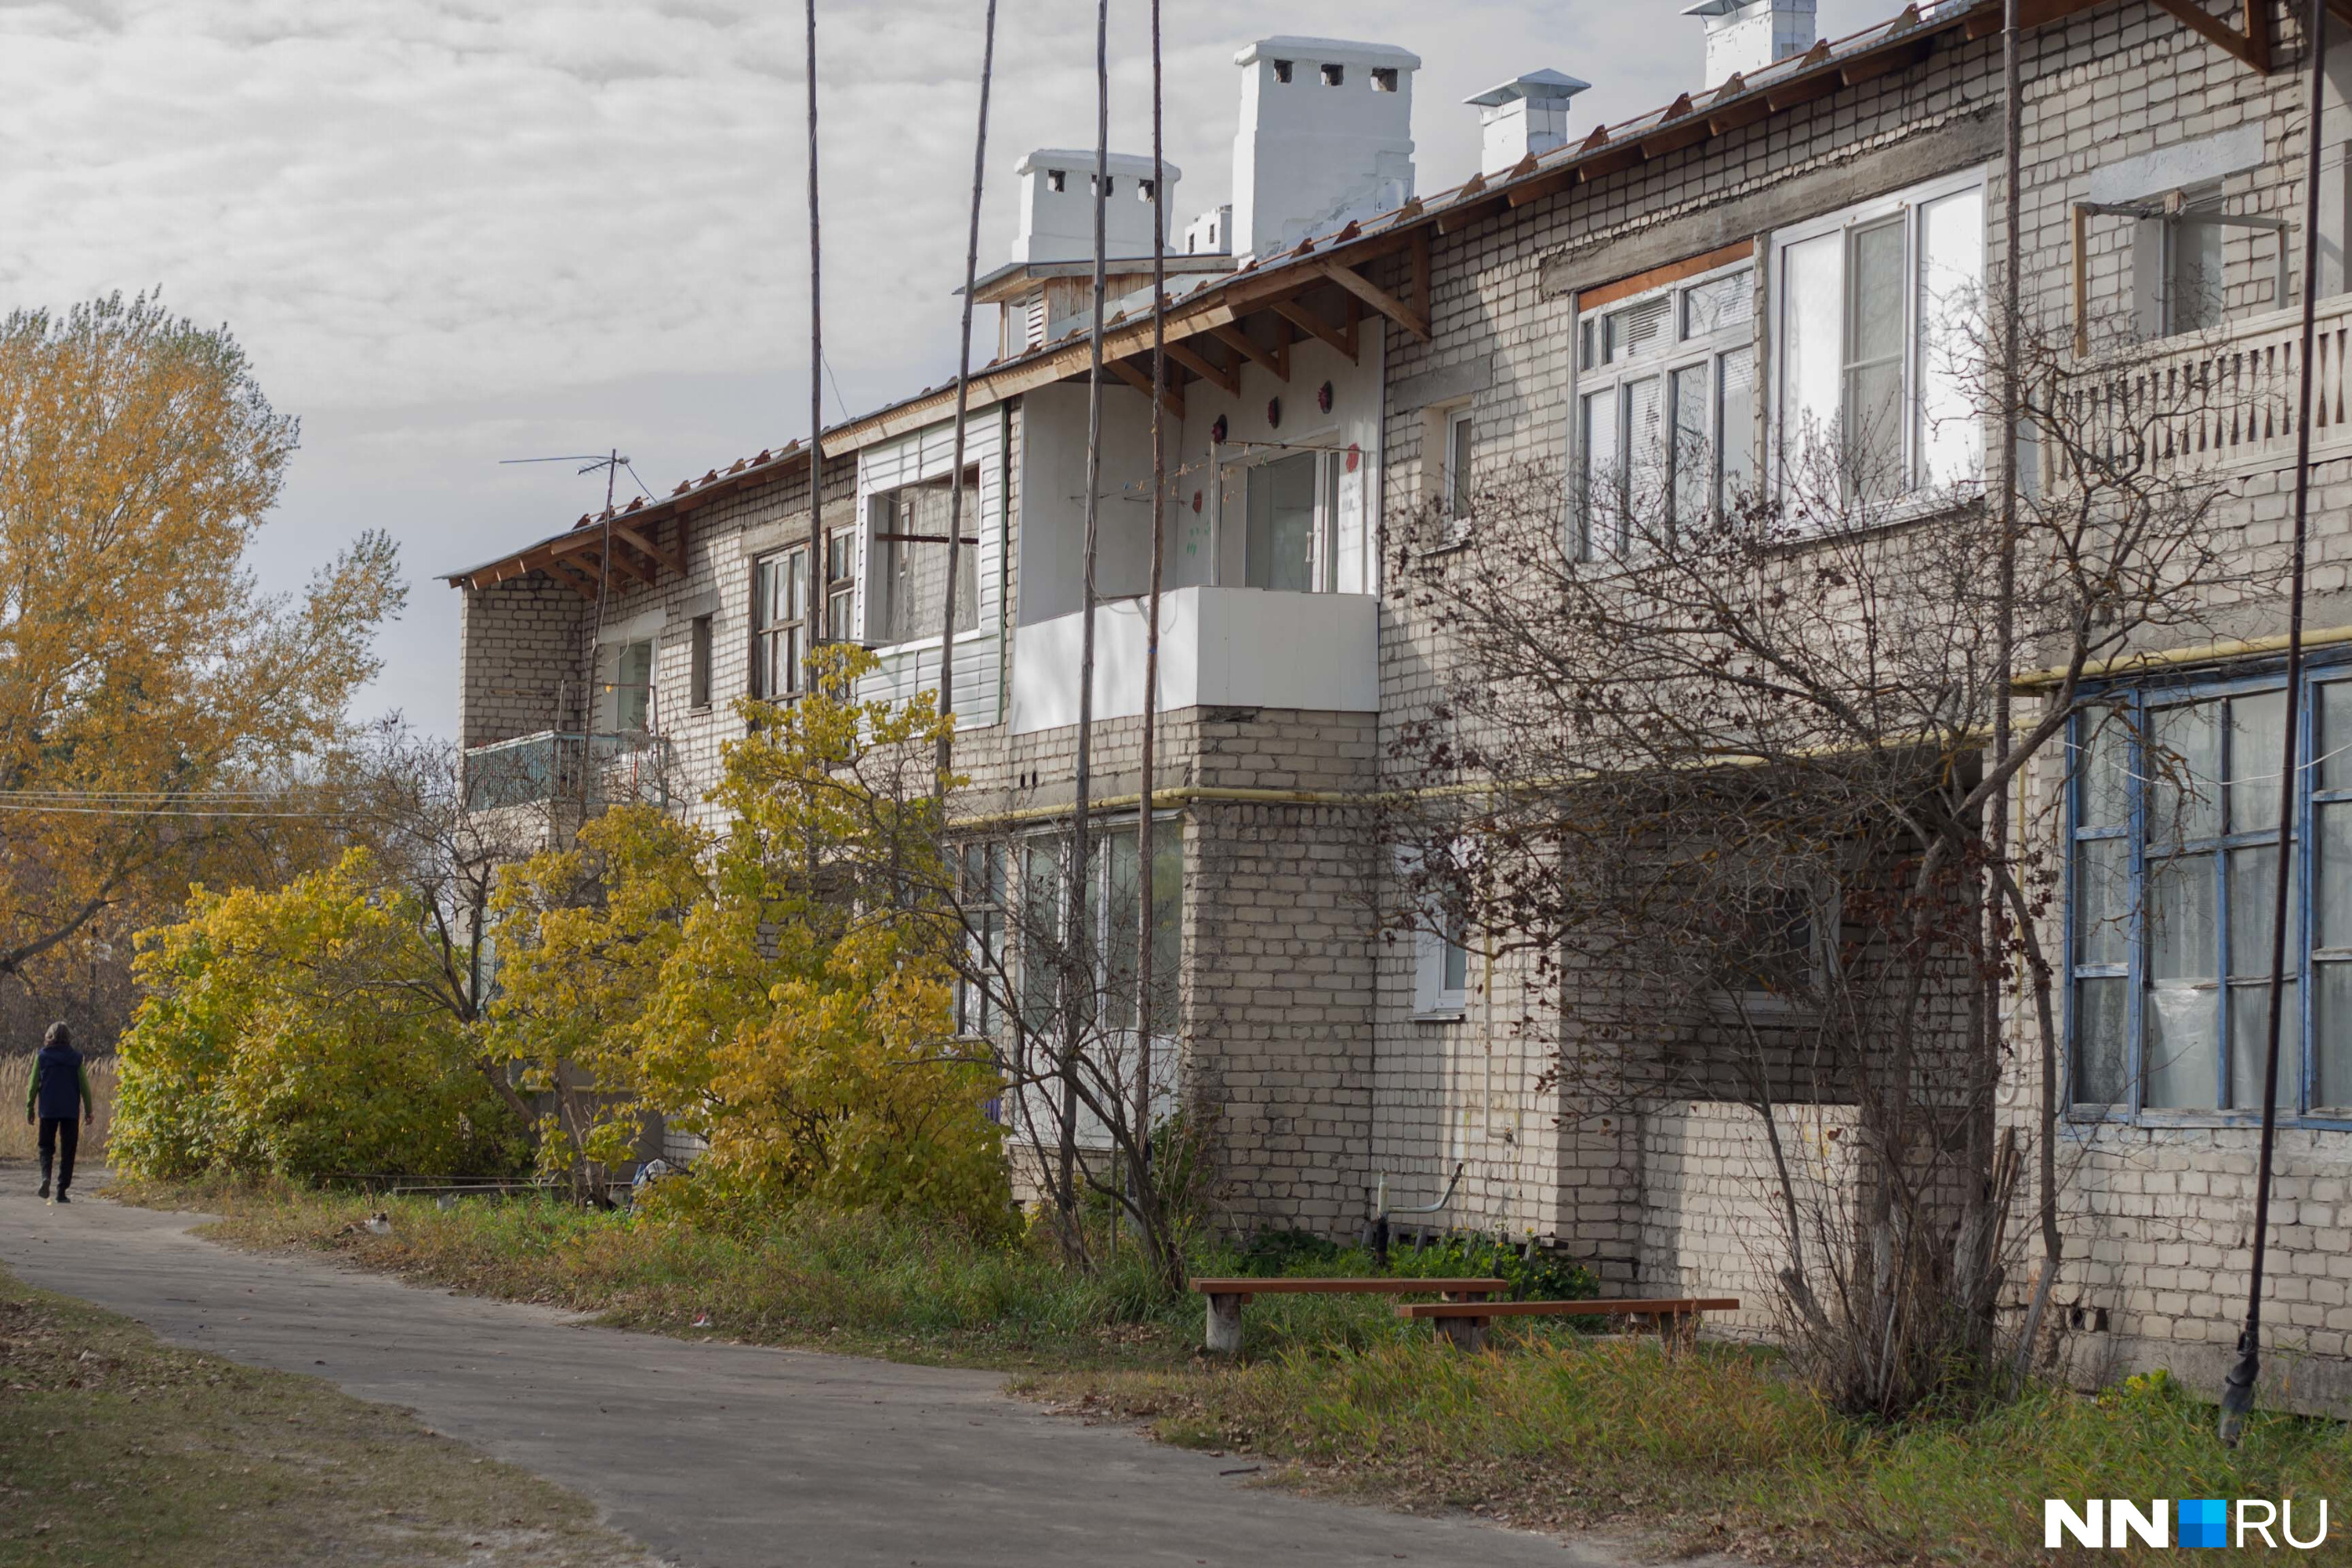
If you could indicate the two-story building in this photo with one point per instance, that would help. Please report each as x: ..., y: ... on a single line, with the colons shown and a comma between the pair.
x: 1765, y: 251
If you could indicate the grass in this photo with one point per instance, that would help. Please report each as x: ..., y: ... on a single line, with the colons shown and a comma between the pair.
x: 1719, y: 1449
x: 117, y: 1450
x: 902, y: 1289
x: 19, y: 1140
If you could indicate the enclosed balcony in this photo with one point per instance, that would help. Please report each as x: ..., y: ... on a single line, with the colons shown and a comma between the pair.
x: 585, y: 770
x: 1219, y: 647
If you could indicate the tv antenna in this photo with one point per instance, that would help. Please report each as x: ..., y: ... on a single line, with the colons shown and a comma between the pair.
x: 610, y: 462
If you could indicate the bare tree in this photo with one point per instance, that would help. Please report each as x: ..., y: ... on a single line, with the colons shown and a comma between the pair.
x: 1717, y: 774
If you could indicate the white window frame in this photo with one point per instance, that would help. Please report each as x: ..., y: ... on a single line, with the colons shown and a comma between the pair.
x: 1433, y: 1000
x: 1323, y: 563
x: 1680, y: 354
x: 1911, y: 203
x: 1460, y: 423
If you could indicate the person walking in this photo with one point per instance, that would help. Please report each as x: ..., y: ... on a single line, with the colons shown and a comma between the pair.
x: 60, y: 1086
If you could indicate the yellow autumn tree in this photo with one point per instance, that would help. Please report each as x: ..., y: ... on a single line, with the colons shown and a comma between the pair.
x: 144, y: 676
x: 782, y: 987
x: 293, y: 1032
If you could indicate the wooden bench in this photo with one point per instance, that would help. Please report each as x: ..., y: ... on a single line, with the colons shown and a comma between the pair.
x: 1464, y: 1323
x: 1227, y: 1297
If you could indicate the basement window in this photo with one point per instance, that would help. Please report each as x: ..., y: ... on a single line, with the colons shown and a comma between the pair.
x: 1282, y: 70
x: 1384, y: 79
x: 1335, y: 76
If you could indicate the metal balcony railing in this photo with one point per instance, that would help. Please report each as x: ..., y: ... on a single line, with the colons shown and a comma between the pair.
x: 554, y: 766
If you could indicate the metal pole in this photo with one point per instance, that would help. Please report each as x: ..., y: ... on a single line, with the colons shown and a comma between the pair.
x: 2238, y: 1387
x: 962, y: 406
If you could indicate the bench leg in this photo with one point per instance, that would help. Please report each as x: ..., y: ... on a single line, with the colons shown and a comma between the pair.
x: 1224, y: 1328
x: 1463, y: 1333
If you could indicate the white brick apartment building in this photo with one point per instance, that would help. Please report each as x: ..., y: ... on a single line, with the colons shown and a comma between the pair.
x: 1351, y: 348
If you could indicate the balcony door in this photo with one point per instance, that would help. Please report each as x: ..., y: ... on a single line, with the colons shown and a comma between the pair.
x: 1289, y: 512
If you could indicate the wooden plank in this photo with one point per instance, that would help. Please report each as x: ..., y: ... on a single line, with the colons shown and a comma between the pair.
x: 1232, y: 337
x: 1455, y: 219
x: 650, y: 544
x: 1659, y: 277
x: 1528, y: 192
x: 1207, y: 369
x: 2213, y: 30
x: 1317, y: 328
x: 1883, y: 62
x: 1346, y: 1287
x: 581, y: 582
x: 1673, y: 139
x: 1422, y: 279
x: 1171, y: 398
x: 1378, y: 298
x: 1657, y: 1308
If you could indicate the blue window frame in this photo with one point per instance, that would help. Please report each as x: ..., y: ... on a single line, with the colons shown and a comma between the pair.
x: 2173, y: 841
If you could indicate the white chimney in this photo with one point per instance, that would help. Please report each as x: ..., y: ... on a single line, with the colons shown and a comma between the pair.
x: 1211, y: 234
x: 1325, y: 129
x: 1527, y: 114
x: 1058, y: 206
x: 1746, y: 36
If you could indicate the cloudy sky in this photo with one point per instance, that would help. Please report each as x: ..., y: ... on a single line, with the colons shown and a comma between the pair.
x: 455, y: 231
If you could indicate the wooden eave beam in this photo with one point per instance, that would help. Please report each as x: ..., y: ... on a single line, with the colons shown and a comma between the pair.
x: 2253, y: 45
x: 1378, y: 298
x: 1171, y: 398
x: 1528, y: 191
x: 650, y: 545
x: 1883, y: 62
x: 1314, y: 326
x: 1658, y: 143
x: 580, y: 583
x: 1461, y: 215
x: 1276, y: 364
x: 1804, y: 91
x: 1207, y: 369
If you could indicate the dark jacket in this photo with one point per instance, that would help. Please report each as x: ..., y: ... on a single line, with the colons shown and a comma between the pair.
x: 61, y: 1085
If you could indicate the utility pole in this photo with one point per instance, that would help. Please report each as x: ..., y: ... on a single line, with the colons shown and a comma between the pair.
x: 962, y: 405
x: 813, y: 599
x: 2238, y: 1387
x: 1078, y: 968
x: 1146, y: 918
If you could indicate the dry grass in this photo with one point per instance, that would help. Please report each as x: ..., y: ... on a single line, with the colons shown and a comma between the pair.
x: 17, y: 1140
x: 1713, y: 1451
x: 121, y: 1451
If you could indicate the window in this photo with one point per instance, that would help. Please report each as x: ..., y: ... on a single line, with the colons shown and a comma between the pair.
x: 1665, y: 407
x: 1335, y: 76
x: 841, y: 585
x: 1442, y: 970
x: 2180, y: 260
x: 626, y: 702
x: 1458, y: 428
x: 2172, y: 883
x: 1782, y: 960
x: 1282, y: 70
x: 1877, y: 393
x: 1114, y: 924
x: 910, y: 563
x: 779, y: 641
x: 1384, y: 79
x: 981, y: 878
x: 1057, y: 180
x: 697, y: 674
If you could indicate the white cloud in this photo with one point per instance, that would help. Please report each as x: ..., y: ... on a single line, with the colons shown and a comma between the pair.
x: 446, y: 229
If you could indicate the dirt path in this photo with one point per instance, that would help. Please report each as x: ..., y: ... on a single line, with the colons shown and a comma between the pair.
x: 725, y: 1455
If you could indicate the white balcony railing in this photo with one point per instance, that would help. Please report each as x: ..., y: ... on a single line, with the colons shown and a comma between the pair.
x: 2225, y: 397
x: 1219, y: 647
